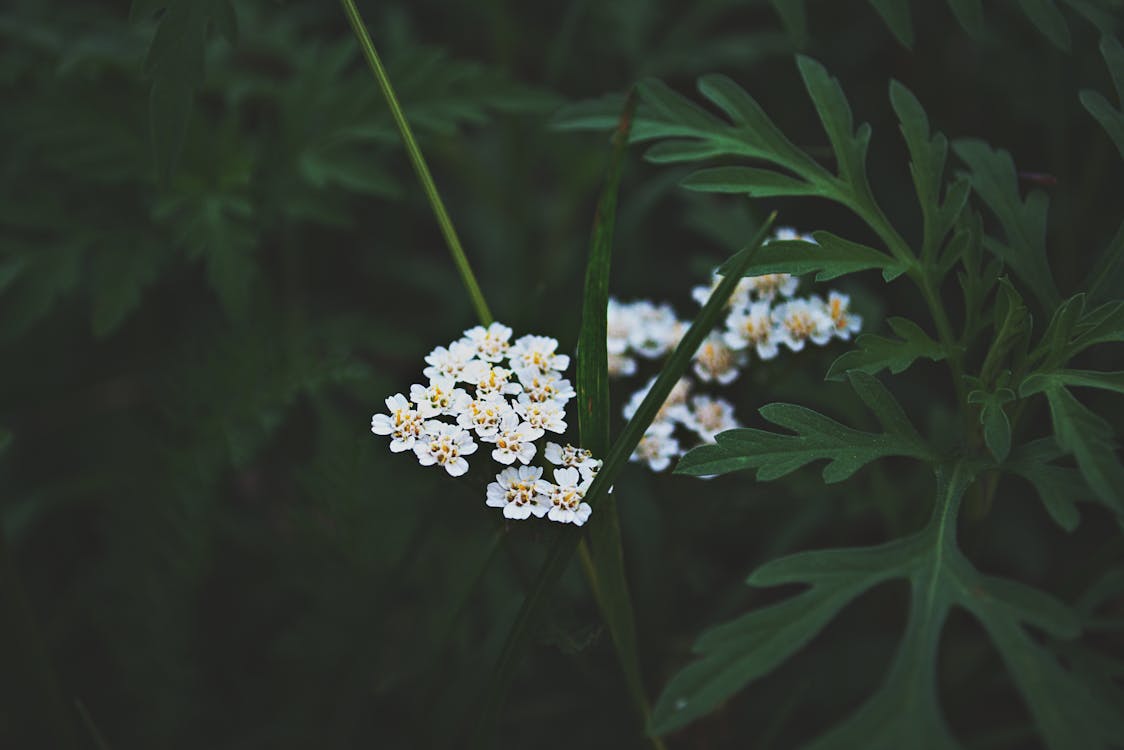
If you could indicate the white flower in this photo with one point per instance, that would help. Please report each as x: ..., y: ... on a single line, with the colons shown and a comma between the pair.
x: 545, y: 386
x: 621, y: 320
x: 491, y: 380
x: 655, y: 329
x: 621, y: 366
x: 715, y: 361
x: 565, y: 496
x: 542, y: 415
x: 515, y: 490
x: 752, y: 327
x: 657, y: 447
x: 445, y: 445
x: 671, y: 410
x: 740, y: 297
x: 771, y: 284
x: 441, y: 396
x: 484, y: 414
x: 799, y: 320
x: 709, y: 416
x: 537, y: 352
x: 492, y: 343
x: 844, y: 322
x: 570, y: 456
x: 514, y: 440
x: 449, y: 363
x: 403, y: 424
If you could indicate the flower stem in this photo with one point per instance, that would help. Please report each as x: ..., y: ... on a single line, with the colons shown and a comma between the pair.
x: 446, y: 224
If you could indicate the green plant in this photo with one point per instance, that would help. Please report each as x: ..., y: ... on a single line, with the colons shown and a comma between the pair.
x: 998, y: 369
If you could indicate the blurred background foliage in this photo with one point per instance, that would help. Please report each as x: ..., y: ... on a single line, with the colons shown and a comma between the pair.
x: 215, y: 263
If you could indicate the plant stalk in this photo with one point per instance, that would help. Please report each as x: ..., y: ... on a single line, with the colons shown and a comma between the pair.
x: 446, y: 224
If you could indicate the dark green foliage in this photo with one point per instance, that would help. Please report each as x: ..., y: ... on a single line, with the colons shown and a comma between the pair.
x: 996, y: 372
x: 817, y: 437
x: 876, y: 353
x: 215, y: 263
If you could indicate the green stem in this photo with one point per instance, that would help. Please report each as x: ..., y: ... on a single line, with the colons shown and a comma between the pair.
x: 451, y: 238
x: 866, y: 207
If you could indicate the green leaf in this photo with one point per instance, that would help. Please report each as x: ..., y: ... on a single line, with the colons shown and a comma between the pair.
x: 876, y: 353
x: 816, y: 438
x: 927, y: 153
x: 1107, y: 275
x: 565, y: 540
x: 610, y: 585
x: 1089, y: 438
x: 896, y: 15
x: 969, y: 13
x: 1041, y: 381
x: 1057, y: 487
x: 736, y: 653
x: 850, y: 146
x: 119, y: 276
x: 1024, y: 222
x: 756, y: 128
x: 1101, y: 325
x: 1044, y: 14
x: 829, y: 257
x: 1067, y: 713
x: 997, y: 427
x: 794, y: 17
x: 756, y: 183
x: 905, y: 711
x: 175, y: 62
x: 1110, y: 118
x: 1012, y: 323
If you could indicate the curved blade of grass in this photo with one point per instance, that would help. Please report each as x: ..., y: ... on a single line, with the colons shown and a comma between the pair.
x: 604, y: 555
x: 565, y: 539
x: 420, y: 166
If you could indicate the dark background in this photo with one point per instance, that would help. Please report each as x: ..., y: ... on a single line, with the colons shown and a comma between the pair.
x: 215, y: 551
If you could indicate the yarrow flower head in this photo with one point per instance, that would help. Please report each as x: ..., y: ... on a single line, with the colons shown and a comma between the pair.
x: 491, y: 344
x: 565, y: 496
x: 657, y: 447
x: 752, y: 326
x: 762, y: 314
x: 574, y: 458
x: 403, y: 424
x: 716, y: 361
x: 485, y: 387
x: 449, y: 362
x: 516, y: 491
x: 537, y: 353
x: 800, y: 321
x: 445, y: 445
x: 440, y: 397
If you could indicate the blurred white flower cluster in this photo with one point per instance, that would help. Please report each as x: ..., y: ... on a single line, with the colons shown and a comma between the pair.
x: 485, y: 388
x: 762, y: 316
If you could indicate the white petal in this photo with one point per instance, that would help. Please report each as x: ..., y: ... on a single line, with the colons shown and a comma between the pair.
x: 381, y: 424
x: 516, y: 512
x: 456, y: 467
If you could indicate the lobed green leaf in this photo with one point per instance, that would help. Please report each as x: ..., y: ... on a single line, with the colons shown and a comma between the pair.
x: 829, y: 257
x: 816, y: 437
x: 1058, y: 487
x: 876, y: 353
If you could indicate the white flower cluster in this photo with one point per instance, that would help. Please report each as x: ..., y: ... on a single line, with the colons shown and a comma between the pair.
x: 762, y: 315
x: 509, y: 394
